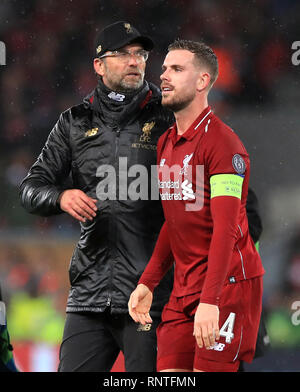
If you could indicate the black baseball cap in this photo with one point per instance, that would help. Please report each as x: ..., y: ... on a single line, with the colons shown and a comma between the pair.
x: 119, y: 34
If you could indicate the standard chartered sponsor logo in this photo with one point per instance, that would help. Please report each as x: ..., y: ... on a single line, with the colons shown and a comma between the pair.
x: 168, y: 184
x: 139, y: 183
x: 187, y: 190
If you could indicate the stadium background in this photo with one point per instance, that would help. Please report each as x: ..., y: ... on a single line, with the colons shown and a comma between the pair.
x: 49, y: 68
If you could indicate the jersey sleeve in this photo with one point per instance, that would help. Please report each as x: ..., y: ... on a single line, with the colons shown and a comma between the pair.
x: 226, y: 163
x: 161, y: 260
x: 225, y: 211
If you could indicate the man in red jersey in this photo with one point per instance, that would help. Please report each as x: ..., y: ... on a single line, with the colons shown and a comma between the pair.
x: 211, y: 320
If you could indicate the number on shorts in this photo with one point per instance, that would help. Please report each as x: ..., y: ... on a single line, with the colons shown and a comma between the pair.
x: 227, y: 328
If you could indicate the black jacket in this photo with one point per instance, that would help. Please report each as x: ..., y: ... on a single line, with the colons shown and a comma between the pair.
x: 115, y: 247
x: 256, y: 229
x: 254, y: 219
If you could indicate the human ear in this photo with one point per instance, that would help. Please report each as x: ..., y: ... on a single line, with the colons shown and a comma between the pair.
x: 203, y: 81
x: 99, y: 66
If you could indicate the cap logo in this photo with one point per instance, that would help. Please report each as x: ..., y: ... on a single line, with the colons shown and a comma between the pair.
x: 99, y: 48
x: 128, y: 28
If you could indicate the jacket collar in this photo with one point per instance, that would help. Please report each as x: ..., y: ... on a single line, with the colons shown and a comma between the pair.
x: 154, y: 94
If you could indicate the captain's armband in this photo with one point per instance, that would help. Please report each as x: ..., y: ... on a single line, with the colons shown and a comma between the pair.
x: 226, y: 185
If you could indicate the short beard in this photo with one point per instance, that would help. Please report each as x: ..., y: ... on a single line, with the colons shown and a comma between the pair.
x: 120, y: 85
x: 177, y: 106
x: 124, y: 87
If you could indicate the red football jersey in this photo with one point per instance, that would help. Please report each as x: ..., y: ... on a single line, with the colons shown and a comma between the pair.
x: 186, y: 165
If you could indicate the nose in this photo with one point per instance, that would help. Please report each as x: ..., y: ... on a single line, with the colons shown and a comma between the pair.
x: 133, y: 60
x: 164, y: 75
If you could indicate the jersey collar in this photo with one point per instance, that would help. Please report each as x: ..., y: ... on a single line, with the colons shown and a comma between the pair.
x: 193, y: 129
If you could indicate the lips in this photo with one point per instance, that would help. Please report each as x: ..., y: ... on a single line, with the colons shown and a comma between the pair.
x: 166, y: 88
x: 133, y: 74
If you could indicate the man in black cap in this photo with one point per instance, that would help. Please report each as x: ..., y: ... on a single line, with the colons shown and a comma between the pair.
x: 114, y: 129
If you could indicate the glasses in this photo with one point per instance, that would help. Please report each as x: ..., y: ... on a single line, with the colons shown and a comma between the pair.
x: 124, y: 56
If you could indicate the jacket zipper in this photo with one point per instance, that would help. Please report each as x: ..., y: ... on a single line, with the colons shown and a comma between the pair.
x: 117, y: 144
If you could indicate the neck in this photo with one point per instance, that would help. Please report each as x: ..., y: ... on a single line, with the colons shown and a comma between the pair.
x: 186, y: 117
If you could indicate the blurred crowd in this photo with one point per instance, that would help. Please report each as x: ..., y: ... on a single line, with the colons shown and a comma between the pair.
x: 49, y: 49
x: 34, y: 284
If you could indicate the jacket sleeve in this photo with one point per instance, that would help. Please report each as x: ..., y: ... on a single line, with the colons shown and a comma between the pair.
x: 254, y: 219
x: 46, y: 179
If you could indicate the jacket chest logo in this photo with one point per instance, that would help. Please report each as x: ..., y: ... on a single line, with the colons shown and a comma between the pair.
x: 91, y: 132
x: 146, y: 136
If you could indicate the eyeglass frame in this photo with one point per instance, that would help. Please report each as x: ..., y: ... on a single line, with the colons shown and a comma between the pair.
x: 123, y: 54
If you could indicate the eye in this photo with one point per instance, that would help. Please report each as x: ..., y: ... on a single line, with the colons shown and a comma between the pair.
x: 120, y: 53
x: 143, y: 54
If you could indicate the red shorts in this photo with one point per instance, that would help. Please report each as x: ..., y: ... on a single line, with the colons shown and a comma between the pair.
x: 240, y: 310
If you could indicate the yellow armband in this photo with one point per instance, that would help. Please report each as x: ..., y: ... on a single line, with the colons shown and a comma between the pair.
x: 226, y: 185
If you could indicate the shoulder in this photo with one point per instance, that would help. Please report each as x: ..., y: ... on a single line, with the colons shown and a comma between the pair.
x: 223, y: 151
x: 218, y: 135
x: 78, y: 111
x: 81, y: 110
x: 76, y: 114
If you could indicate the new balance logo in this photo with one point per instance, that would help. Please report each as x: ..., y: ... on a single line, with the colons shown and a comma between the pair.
x: 144, y: 328
x: 116, y: 97
x: 218, y: 347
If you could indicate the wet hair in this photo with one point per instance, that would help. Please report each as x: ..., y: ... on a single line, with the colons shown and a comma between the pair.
x: 204, y: 56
